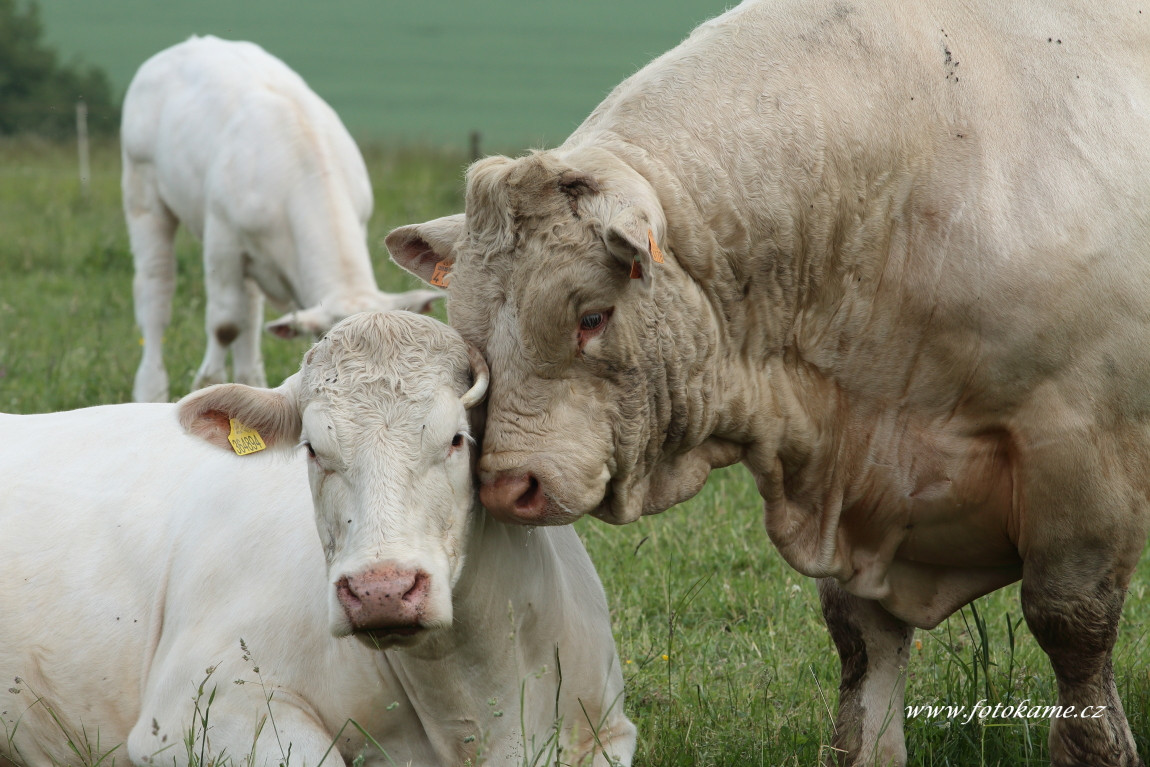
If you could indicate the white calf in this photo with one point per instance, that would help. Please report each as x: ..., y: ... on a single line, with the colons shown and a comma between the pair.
x: 134, y: 556
x: 225, y: 138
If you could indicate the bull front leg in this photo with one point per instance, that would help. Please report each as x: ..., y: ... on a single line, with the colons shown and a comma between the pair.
x: 1083, y: 530
x: 874, y: 648
x: 1076, y: 624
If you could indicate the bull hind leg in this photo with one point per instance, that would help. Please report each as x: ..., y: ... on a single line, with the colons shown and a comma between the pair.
x: 229, y: 308
x: 874, y: 648
x: 247, y: 361
x: 1075, y: 621
x: 151, y: 232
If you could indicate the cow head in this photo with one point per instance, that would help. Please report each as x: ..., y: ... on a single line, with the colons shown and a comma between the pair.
x: 380, y: 407
x: 317, y: 320
x: 599, y: 350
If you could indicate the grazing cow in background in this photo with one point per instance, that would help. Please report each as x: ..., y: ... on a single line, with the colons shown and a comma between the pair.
x: 225, y: 138
x: 134, y: 556
x: 893, y: 257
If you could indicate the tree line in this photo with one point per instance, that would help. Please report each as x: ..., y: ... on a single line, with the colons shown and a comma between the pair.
x: 38, y: 93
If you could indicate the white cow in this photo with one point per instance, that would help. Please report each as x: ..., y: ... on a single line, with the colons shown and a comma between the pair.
x: 136, y: 555
x: 225, y: 138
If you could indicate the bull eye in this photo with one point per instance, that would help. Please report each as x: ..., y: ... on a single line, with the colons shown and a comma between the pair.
x: 592, y: 324
x: 457, y: 441
x: 591, y: 321
x: 310, y: 450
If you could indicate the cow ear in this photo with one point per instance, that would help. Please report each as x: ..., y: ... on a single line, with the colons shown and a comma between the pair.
x: 271, y: 413
x: 418, y: 301
x: 419, y: 247
x: 313, y: 322
x: 630, y: 239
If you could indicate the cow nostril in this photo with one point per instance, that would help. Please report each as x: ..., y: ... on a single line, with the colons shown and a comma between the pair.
x: 532, y: 497
x: 420, y: 587
x: 346, y: 594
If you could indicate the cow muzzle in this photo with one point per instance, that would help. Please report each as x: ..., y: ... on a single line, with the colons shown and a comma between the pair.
x: 385, y: 601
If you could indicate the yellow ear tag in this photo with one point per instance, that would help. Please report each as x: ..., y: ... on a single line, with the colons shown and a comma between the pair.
x: 244, y: 439
x: 441, y: 275
x: 656, y: 254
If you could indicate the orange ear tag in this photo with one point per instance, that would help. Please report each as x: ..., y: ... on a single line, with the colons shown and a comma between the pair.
x: 656, y: 254
x: 441, y: 275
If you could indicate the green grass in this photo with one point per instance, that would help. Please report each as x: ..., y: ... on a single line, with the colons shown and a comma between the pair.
x: 723, y: 649
x: 522, y: 73
x: 67, y: 333
x: 751, y: 676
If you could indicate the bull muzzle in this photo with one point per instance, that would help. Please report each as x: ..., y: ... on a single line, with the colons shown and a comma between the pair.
x: 513, y: 498
x: 522, y: 498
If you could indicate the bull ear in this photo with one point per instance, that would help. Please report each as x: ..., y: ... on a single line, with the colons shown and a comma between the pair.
x: 419, y: 247
x: 272, y: 413
x: 630, y: 239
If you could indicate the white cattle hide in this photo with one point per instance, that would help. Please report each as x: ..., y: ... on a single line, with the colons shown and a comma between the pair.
x: 142, y: 564
x: 224, y: 138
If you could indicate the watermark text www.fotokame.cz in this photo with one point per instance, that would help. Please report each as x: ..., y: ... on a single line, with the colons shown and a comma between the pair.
x: 1024, y: 709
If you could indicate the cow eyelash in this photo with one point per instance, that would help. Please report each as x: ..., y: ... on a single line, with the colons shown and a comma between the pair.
x: 459, y: 440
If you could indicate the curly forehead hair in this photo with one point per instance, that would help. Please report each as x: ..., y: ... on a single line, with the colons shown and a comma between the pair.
x: 406, y: 351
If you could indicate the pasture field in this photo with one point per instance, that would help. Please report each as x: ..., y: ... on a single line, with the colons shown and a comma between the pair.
x: 522, y: 73
x: 723, y: 649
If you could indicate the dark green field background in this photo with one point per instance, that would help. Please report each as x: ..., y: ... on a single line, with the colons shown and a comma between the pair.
x: 429, y: 72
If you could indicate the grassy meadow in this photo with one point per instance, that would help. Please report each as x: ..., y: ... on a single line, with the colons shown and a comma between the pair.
x: 723, y: 649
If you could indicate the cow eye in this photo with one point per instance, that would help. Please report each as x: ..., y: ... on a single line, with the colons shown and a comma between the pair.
x: 310, y: 449
x: 457, y: 440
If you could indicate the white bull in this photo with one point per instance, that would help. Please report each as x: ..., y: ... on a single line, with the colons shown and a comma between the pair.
x: 136, y: 556
x: 226, y: 139
x: 894, y: 257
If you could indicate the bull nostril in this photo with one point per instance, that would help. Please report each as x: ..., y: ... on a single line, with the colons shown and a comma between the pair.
x: 532, y: 497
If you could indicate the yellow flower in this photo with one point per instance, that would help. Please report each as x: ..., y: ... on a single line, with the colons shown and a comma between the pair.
x: 666, y: 657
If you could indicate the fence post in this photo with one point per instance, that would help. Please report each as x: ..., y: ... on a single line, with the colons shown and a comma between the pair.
x: 475, y: 136
x: 82, y: 140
